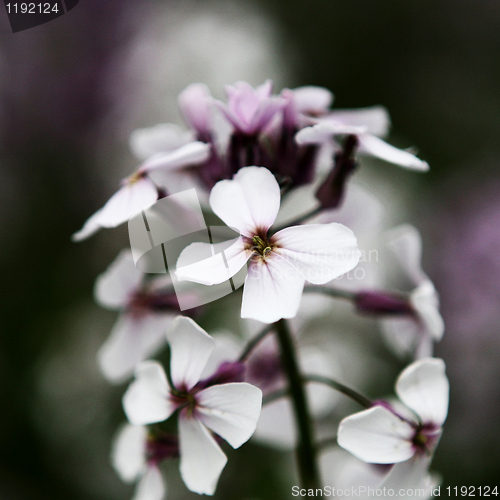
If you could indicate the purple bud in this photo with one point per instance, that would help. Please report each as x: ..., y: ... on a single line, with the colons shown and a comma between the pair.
x: 228, y: 372
x: 162, y: 446
x: 382, y: 303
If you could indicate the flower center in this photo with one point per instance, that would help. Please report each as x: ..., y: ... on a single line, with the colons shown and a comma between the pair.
x: 261, y: 246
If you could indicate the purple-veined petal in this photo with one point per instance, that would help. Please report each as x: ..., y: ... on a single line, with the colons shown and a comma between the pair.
x: 151, y: 486
x: 375, y: 119
x: 325, y: 131
x: 273, y: 289
x: 376, y: 436
x: 128, y: 453
x: 321, y: 252
x: 249, y: 202
x: 196, y: 107
x: 230, y: 410
x: 424, y: 387
x: 115, y: 285
x: 147, y: 399
x: 132, y: 340
x: 312, y: 100
x: 190, y: 348
x: 227, y: 259
x: 164, y: 137
x: 369, y: 144
x: 202, y: 460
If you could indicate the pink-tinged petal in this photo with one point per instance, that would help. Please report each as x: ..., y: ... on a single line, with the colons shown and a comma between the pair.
x: 230, y: 410
x: 410, y: 475
x: 147, y: 400
x: 151, y: 486
x: 424, y: 387
x: 376, y: 436
x: 325, y: 131
x: 202, y: 460
x: 90, y: 227
x: 425, y: 301
x: 321, y: 252
x: 192, y: 153
x: 312, y: 100
x: 272, y: 290
x: 211, y: 264
x: 132, y: 340
x: 249, y: 202
x: 146, y: 142
x: 128, y: 452
x: 369, y: 144
x: 196, y: 106
x: 190, y: 348
x: 375, y: 119
x: 115, y: 285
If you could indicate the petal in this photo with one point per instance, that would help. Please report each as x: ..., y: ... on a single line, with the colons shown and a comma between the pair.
x: 376, y: 436
x: 375, y: 118
x: 146, y: 142
x: 410, y: 475
x: 230, y: 410
x: 312, y: 100
x: 321, y: 252
x: 195, y: 104
x: 147, y: 399
x: 128, y: 452
x: 132, y: 340
x: 272, y: 290
x: 202, y: 460
x: 250, y: 202
x: 151, y: 486
x: 369, y: 144
x: 276, y: 426
x: 324, y: 132
x: 402, y: 335
x: 425, y: 301
x: 189, y: 154
x: 90, y: 227
x: 225, y: 260
x: 424, y: 387
x: 190, y: 348
x: 115, y: 285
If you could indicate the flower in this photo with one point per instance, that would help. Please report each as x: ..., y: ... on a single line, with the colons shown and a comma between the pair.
x: 146, y: 312
x: 280, y: 264
x: 230, y: 410
x: 386, y: 434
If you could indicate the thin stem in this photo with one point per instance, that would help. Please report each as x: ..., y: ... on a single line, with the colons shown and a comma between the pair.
x: 253, y: 343
x: 306, y: 451
x: 332, y: 292
x: 347, y: 391
x: 301, y: 219
x: 273, y: 396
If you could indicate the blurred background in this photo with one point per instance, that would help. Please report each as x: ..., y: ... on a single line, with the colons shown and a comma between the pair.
x: 72, y: 91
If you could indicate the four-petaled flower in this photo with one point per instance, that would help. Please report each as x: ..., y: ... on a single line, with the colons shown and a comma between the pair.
x: 229, y: 410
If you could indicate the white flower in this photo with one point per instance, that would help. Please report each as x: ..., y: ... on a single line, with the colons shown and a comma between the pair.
x: 145, y: 316
x: 386, y: 435
x: 280, y: 264
x: 229, y: 410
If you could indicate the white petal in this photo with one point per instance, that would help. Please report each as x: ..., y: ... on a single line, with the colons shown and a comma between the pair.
x: 321, y: 252
x: 312, y: 100
x: 376, y: 436
x: 147, y: 399
x: 425, y: 301
x: 410, y: 475
x: 402, y: 335
x: 248, y: 202
x: 115, y: 285
x: 128, y: 453
x: 377, y: 147
x: 90, y: 227
x: 325, y: 131
x: 276, y: 426
x: 146, y: 142
x: 192, y: 153
x: 272, y: 290
x: 230, y: 410
x: 424, y: 387
x: 202, y: 460
x: 375, y: 118
x: 211, y: 264
x: 132, y: 340
x: 190, y: 348
x: 151, y: 486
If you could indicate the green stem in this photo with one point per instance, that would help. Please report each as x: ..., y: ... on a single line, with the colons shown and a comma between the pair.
x: 273, y: 396
x: 351, y: 393
x: 253, y: 343
x: 306, y: 451
x: 332, y: 292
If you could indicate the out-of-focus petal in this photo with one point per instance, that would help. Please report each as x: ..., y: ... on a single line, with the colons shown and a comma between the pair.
x: 312, y: 100
x: 192, y: 153
x: 115, y: 285
x: 202, y: 460
x: 324, y: 132
x: 230, y: 410
x: 249, y: 202
x: 424, y: 387
x: 425, y: 301
x: 190, y: 348
x: 410, y: 475
x: 376, y: 436
x: 151, y: 486
x: 321, y: 252
x: 195, y: 104
x: 147, y: 398
x: 276, y: 426
x: 375, y: 118
x: 369, y: 144
x: 90, y: 227
x: 128, y: 453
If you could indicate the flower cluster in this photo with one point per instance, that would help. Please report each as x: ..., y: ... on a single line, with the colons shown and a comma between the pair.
x: 277, y: 170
